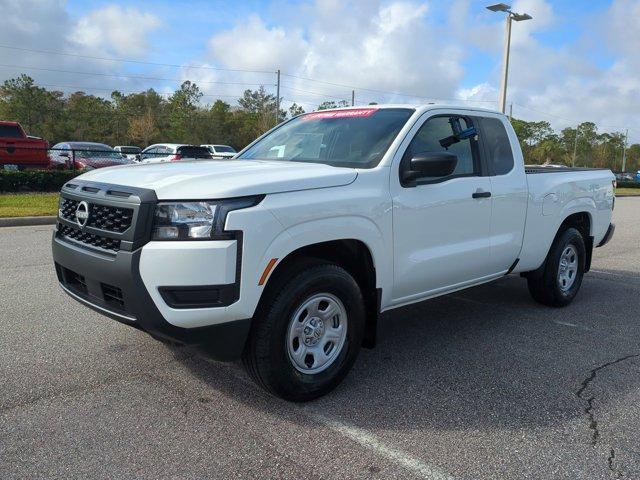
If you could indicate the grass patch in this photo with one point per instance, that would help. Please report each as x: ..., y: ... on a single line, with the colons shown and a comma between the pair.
x: 40, y: 204
x: 28, y: 204
x: 628, y: 191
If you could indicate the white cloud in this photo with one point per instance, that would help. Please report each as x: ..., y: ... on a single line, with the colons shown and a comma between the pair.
x: 116, y: 29
x: 253, y: 45
x: 563, y: 84
x: 392, y: 46
x: 45, y: 25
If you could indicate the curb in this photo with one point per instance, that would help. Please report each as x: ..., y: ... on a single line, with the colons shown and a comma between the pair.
x: 27, y: 221
x: 627, y: 196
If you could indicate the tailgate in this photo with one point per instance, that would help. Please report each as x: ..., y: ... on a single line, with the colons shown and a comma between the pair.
x: 23, y: 152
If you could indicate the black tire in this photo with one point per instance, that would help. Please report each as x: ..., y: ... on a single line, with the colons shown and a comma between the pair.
x: 545, y: 286
x: 266, y: 356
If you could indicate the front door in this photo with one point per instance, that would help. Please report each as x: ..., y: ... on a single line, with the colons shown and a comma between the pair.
x: 441, y: 226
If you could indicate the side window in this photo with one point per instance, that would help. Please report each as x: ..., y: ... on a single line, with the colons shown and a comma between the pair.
x: 438, y: 131
x: 497, y: 146
x: 149, y: 153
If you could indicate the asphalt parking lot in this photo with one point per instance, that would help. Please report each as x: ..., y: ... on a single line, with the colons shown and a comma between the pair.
x: 480, y: 384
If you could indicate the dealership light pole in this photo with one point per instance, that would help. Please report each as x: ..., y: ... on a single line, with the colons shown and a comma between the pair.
x: 518, y: 17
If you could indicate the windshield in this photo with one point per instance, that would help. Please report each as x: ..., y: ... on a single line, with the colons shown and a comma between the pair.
x: 224, y: 149
x: 356, y: 138
x: 95, y: 151
x: 130, y: 150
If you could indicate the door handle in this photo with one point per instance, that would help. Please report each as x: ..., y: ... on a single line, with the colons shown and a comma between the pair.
x: 480, y: 194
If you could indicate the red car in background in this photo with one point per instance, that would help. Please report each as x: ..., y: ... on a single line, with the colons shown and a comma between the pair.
x: 85, y: 156
x: 19, y: 151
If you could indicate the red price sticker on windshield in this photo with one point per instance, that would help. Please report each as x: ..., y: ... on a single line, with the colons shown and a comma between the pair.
x: 350, y: 113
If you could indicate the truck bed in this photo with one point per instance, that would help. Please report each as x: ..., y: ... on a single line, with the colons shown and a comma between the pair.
x: 533, y: 169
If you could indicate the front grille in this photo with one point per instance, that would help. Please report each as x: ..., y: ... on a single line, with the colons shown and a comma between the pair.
x: 78, y: 235
x: 68, y: 209
x: 111, y: 219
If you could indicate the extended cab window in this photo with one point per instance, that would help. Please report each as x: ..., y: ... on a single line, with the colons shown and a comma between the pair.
x: 497, y: 146
x: 442, y: 134
x: 357, y: 137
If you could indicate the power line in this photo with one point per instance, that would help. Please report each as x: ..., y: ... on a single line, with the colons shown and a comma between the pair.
x: 139, y: 62
x: 113, y: 75
x: 571, y: 121
x: 325, y: 95
x: 82, y: 89
x: 387, y: 92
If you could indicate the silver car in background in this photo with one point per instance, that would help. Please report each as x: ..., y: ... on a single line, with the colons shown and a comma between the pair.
x: 220, y: 151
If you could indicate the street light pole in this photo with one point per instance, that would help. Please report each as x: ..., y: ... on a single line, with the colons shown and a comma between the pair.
x: 518, y: 17
x: 505, y: 66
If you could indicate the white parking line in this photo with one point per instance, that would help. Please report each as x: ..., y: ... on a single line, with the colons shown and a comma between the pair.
x: 372, y: 442
x: 361, y: 436
x: 613, y: 274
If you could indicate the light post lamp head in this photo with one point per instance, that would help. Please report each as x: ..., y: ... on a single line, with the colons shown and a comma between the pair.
x: 503, y: 7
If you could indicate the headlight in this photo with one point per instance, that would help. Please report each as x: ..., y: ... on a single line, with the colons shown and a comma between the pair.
x: 196, y: 220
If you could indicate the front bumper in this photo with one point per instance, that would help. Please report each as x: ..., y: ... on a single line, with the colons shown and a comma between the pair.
x: 184, y: 292
x: 113, y: 287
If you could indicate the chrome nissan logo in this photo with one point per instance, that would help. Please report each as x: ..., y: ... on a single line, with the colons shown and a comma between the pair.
x: 82, y: 213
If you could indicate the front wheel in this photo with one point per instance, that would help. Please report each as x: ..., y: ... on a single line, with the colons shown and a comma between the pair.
x: 307, y: 334
x: 561, y: 278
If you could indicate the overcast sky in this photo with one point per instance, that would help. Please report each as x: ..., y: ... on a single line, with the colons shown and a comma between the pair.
x: 575, y: 61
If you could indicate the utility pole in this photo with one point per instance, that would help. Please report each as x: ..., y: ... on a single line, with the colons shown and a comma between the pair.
x: 624, y: 151
x: 353, y: 97
x: 575, y: 148
x: 510, y: 111
x: 278, y: 98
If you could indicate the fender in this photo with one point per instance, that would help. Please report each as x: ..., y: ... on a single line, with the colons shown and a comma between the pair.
x: 334, y: 228
x: 578, y: 205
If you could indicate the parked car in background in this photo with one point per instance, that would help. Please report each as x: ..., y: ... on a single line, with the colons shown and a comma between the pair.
x: 131, y: 152
x: 221, y: 151
x: 19, y: 150
x: 173, y: 152
x: 85, y: 156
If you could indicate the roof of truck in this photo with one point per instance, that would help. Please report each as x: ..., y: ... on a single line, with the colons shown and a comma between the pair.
x: 418, y: 107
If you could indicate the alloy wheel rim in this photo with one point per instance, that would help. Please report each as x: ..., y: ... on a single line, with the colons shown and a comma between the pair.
x: 568, y: 268
x: 317, y: 333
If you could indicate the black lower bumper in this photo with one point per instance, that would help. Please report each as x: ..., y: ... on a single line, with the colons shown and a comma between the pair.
x: 112, y: 286
x: 608, y: 235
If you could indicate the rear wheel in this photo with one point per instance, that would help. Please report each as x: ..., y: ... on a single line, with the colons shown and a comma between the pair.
x: 561, y: 277
x: 307, y: 333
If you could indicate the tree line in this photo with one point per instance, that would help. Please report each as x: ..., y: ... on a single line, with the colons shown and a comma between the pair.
x: 148, y: 117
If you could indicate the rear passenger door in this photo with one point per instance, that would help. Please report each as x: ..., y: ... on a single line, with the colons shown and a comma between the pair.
x: 508, y: 190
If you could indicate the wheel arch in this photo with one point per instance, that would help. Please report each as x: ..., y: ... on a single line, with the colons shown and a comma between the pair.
x: 354, y: 255
x: 583, y: 222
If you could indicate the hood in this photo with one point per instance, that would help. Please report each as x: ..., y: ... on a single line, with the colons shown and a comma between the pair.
x: 212, y: 179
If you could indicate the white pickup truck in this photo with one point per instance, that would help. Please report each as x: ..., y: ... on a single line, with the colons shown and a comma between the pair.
x: 286, y: 255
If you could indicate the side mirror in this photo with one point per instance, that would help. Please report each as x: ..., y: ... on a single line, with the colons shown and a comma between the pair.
x: 64, y: 154
x: 430, y: 164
